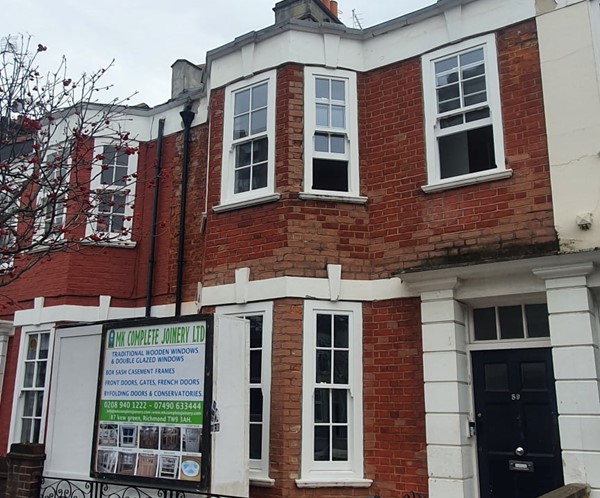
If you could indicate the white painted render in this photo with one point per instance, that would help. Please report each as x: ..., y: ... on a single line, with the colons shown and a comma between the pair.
x: 349, y: 49
x: 569, y: 284
x: 570, y: 65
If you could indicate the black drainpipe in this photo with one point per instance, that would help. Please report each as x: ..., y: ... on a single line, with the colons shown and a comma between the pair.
x: 150, y: 280
x: 187, y: 116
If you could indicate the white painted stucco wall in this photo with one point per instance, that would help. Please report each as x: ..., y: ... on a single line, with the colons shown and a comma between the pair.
x: 568, y: 35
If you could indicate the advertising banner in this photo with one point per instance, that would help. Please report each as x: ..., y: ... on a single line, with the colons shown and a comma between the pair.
x: 151, y: 398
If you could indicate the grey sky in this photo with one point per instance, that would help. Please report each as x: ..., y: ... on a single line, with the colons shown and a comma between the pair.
x: 146, y: 36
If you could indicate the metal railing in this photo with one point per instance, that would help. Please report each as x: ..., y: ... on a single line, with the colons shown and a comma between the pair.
x: 57, y: 487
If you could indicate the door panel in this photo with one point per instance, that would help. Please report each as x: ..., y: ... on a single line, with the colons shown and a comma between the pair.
x: 518, y: 445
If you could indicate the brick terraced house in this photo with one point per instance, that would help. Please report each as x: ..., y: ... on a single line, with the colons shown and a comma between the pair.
x: 406, y: 216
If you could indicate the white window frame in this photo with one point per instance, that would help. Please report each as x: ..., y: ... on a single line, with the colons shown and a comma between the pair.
x: 61, y: 211
x: 253, y: 196
x: 432, y: 117
x: 129, y: 192
x: 348, y: 473
x: 259, y: 469
x: 350, y: 132
x: 19, y: 389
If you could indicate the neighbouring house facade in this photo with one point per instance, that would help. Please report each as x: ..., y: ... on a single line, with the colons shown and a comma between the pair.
x: 406, y: 217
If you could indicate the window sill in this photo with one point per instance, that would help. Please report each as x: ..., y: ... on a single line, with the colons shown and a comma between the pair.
x: 334, y: 483
x: 123, y: 244
x: 262, y: 482
x: 223, y: 208
x: 463, y: 181
x: 333, y: 198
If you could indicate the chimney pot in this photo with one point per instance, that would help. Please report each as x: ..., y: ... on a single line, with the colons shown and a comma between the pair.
x: 333, y: 7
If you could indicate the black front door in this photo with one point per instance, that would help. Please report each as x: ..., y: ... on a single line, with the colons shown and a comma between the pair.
x: 518, y: 445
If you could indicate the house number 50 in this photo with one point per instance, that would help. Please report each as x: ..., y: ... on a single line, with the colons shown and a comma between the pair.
x: 515, y: 397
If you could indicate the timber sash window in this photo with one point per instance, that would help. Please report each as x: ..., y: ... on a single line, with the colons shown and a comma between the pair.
x: 462, y: 112
x: 260, y: 317
x: 51, y: 207
x: 113, y: 190
x: 331, y: 132
x: 332, y: 431
x: 34, y: 384
x: 249, y: 140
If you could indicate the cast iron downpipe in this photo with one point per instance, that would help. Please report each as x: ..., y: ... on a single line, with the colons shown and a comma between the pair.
x: 150, y: 280
x: 187, y: 116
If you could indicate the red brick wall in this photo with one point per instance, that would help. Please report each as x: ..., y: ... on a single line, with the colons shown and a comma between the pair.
x: 511, y: 217
x: 394, y: 413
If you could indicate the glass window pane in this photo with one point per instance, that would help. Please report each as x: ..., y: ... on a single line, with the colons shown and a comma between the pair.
x: 41, y: 374
x: 243, y: 154
x: 338, y: 116
x: 471, y: 57
x: 321, y: 142
x: 117, y: 223
x: 44, y: 342
x: 446, y: 79
x: 338, y: 90
x: 256, y: 326
x: 341, y: 327
x: 242, y: 180
x: 259, y: 177
x: 451, y: 121
x: 322, y: 88
x: 484, y: 323
x: 121, y: 158
x: 496, y: 377
x: 323, y: 366
x: 259, y: 96
x: 323, y: 331
x: 476, y: 98
x: 242, y: 102
x: 259, y: 121
x: 338, y: 144
x: 32, y: 347
x: 511, y: 322
x: 36, y: 430
x: 471, y: 72
x: 322, y: 115
x: 448, y: 93
x: 28, y: 378
x: 475, y: 85
x: 321, y: 406
x: 537, y: 320
x: 26, y: 430
x: 476, y: 115
x: 120, y: 176
x: 255, y: 366
x: 256, y: 405
x: 241, y: 126
x: 321, y: 444
x: 39, y: 403
x: 29, y: 403
x: 449, y: 105
x: 109, y: 152
x: 340, y: 370
x: 340, y: 406
x: 107, y: 175
x: 120, y: 201
x: 255, y: 441
x: 446, y: 65
x: 260, y: 150
x: 340, y: 444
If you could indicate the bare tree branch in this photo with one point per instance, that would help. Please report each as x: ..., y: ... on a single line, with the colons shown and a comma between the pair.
x: 58, y: 187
